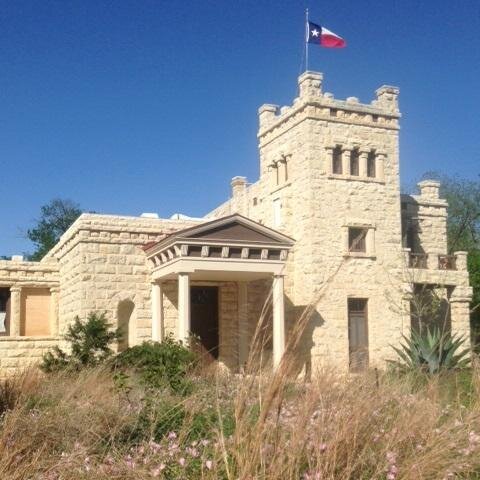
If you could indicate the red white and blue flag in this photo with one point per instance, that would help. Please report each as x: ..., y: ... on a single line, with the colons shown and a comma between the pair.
x: 323, y: 37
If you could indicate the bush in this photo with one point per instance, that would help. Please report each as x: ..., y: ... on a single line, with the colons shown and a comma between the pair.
x: 89, y: 344
x: 159, y: 365
x: 432, y: 351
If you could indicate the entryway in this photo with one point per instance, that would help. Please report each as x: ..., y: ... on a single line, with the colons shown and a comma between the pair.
x: 204, y: 317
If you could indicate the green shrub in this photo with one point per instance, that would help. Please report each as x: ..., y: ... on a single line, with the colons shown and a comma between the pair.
x: 432, y: 352
x: 159, y: 365
x: 89, y: 345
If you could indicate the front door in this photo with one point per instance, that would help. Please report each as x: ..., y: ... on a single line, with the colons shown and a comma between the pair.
x: 204, y: 317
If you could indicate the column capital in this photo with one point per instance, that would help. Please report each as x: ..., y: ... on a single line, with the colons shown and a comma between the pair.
x: 54, y: 289
x: 15, y: 288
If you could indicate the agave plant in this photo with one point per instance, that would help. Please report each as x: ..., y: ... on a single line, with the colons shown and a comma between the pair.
x: 432, y: 351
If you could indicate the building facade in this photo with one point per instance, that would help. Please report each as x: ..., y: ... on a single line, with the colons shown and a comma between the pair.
x: 324, y: 227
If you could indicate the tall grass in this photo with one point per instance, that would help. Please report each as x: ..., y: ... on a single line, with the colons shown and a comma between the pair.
x: 81, y: 426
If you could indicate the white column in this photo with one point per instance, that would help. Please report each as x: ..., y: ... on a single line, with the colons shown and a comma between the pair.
x: 54, y: 311
x: 363, y: 167
x: 15, y: 311
x: 278, y: 320
x: 380, y: 166
x: 346, y: 162
x: 157, y: 312
x: 242, y: 324
x: 183, y: 326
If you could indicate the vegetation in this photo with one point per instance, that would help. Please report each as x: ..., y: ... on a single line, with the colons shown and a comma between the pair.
x: 56, y: 217
x: 89, y: 345
x: 79, y: 425
x: 431, y: 351
x: 158, y: 365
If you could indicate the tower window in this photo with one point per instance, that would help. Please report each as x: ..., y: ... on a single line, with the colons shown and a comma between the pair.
x: 371, y: 164
x: 337, y: 160
x: 354, y: 162
x: 357, y: 239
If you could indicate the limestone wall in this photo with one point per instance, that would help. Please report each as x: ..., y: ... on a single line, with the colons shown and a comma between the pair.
x: 22, y: 352
x: 102, y: 263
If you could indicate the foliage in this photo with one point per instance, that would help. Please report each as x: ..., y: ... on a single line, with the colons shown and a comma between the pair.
x: 89, y: 344
x: 159, y: 365
x: 432, y: 351
x: 55, y: 218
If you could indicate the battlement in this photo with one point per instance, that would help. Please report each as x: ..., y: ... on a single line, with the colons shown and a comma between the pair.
x: 312, y: 102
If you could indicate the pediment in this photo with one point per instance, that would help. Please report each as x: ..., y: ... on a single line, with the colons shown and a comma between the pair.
x: 235, y: 228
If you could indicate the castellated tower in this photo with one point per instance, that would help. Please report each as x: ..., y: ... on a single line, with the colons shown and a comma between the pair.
x: 329, y: 178
x: 329, y: 169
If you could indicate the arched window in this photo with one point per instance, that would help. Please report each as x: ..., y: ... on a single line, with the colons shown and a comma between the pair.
x: 126, y: 324
x: 354, y: 162
x: 337, y: 160
x: 371, y: 164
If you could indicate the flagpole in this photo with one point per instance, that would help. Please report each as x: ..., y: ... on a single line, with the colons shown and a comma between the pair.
x: 307, y: 34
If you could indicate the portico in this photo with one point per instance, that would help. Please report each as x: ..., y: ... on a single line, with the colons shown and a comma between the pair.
x: 231, y: 249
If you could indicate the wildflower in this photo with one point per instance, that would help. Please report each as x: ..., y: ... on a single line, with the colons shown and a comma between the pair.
x: 322, y: 447
x: 209, y: 464
x: 172, y: 436
x: 158, y: 470
x: 181, y: 461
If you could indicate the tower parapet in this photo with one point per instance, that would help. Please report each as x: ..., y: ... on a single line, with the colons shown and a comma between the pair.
x: 382, y: 112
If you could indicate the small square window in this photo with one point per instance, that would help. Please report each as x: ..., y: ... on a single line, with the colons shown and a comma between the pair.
x: 357, y: 239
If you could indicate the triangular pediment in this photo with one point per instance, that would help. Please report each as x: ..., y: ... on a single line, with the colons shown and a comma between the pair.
x: 235, y: 228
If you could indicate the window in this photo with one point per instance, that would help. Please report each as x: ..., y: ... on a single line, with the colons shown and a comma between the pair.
x: 35, y: 312
x: 354, y: 162
x: 371, y: 164
x: 357, y: 334
x: 277, y: 212
x: 337, y: 160
x: 4, y: 311
x: 357, y: 239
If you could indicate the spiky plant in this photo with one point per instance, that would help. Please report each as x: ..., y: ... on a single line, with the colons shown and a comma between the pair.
x: 432, y: 351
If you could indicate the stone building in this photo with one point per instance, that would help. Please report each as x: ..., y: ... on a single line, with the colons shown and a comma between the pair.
x: 324, y: 225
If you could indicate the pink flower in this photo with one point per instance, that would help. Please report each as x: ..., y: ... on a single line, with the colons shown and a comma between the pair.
x: 172, y: 435
x: 181, y: 461
x: 209, y: 464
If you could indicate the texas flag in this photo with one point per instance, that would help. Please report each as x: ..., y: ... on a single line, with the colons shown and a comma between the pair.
x: 324, y: 37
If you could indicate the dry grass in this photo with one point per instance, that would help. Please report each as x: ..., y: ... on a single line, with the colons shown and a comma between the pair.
x: 81, y: 426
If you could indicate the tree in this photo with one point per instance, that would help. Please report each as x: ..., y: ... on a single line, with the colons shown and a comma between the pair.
x: 56, y: 217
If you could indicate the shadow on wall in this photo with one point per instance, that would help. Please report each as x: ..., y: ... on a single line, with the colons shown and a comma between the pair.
x: 126, y: 324
x: 304, y: 358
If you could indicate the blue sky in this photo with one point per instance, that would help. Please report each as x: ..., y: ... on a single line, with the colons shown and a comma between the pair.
x: 133, y: 106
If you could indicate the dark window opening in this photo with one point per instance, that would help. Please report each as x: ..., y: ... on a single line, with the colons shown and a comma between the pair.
x: 337, y: 160
x: 354, y: 162
x: 371, y: 164
x: 357, y: 239
x: 4, y: 311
